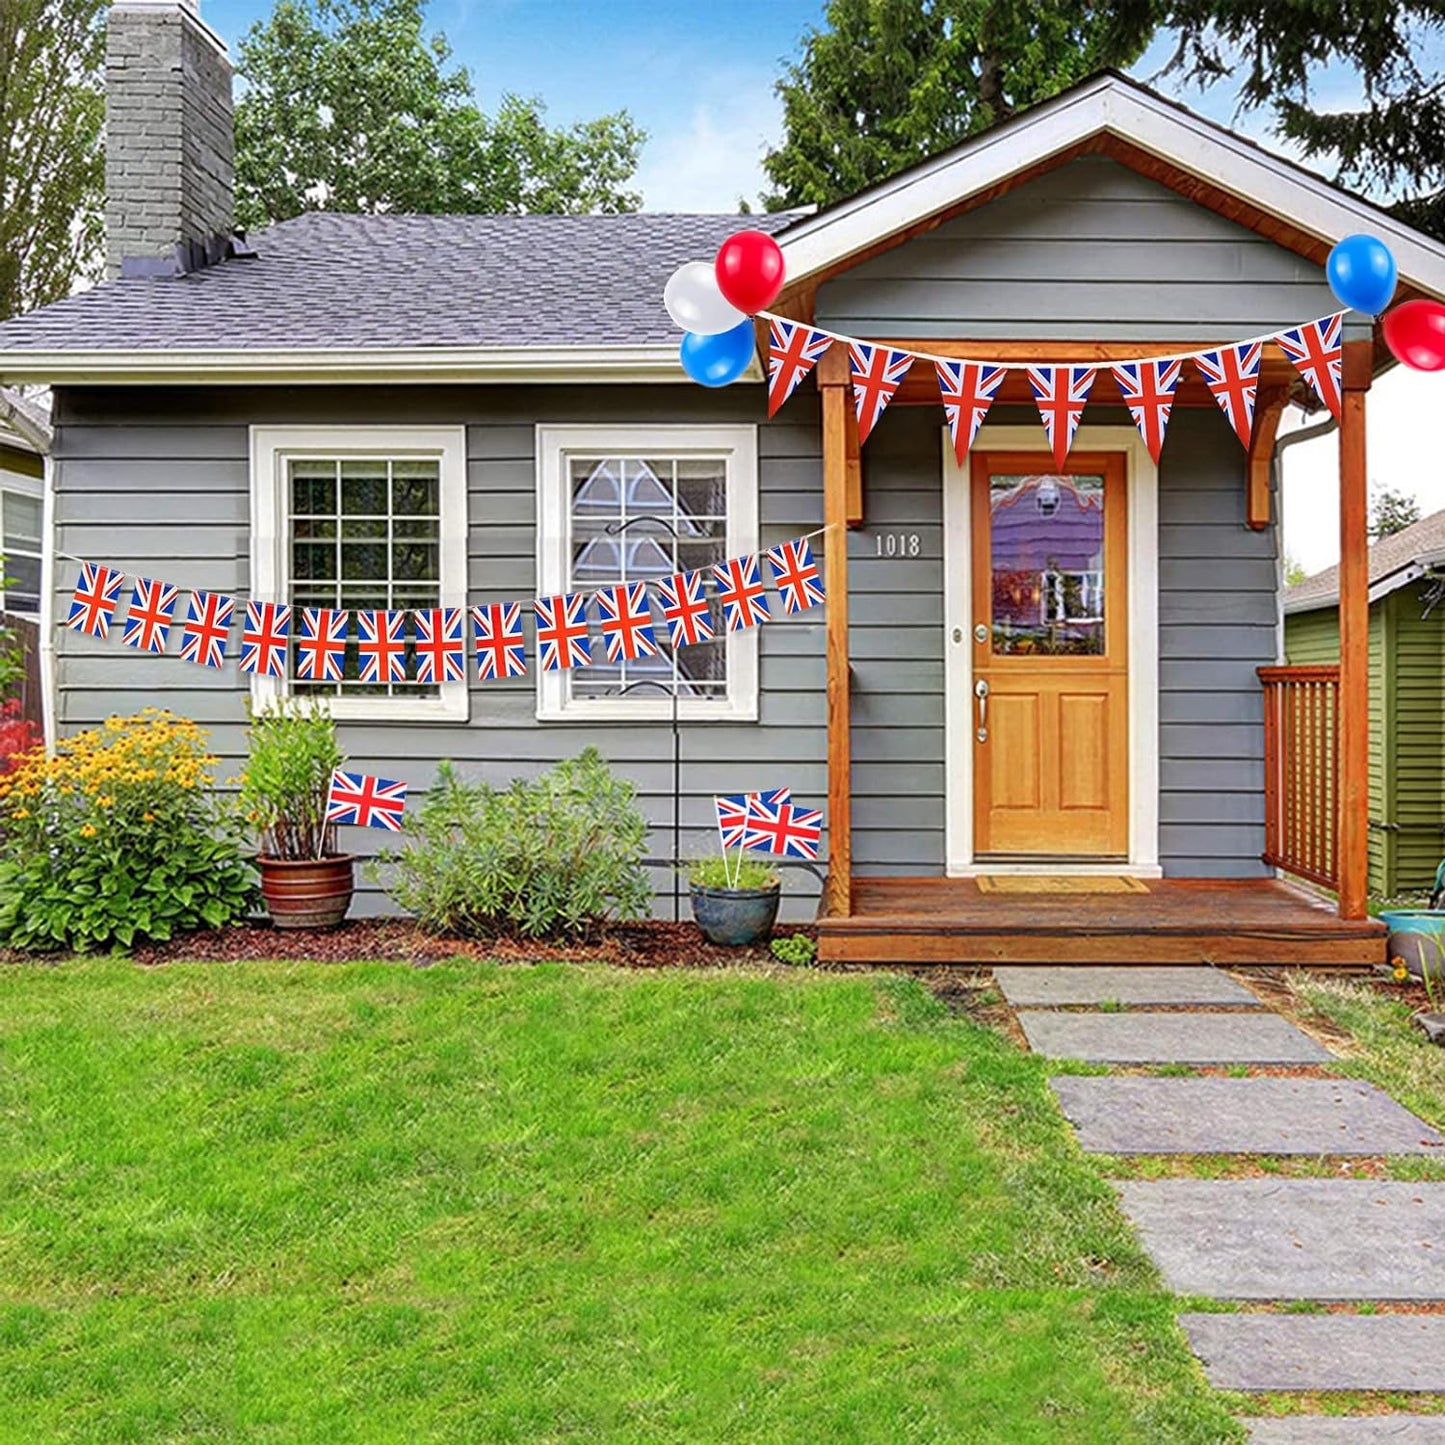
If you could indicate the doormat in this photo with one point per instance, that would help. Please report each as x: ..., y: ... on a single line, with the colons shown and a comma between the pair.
x: 1022, y: 883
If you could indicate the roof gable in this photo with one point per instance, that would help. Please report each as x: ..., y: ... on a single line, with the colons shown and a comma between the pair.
x: 1395, y: 561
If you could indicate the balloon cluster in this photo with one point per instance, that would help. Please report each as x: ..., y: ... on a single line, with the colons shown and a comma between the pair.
x: 714, y: 302
x: 1362, y: 275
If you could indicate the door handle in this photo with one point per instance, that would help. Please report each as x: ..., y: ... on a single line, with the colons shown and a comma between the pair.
x: 980, y: 691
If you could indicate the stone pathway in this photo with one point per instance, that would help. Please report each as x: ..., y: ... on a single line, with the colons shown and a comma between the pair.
x: 1268, y: 1240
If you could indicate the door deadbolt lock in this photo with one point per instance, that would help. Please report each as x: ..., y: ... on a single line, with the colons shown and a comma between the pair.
x: 958, y: 634
x: 980, y: 633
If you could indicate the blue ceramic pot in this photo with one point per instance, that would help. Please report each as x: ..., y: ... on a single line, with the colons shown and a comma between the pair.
x: 1418, y: 936
x: 735, y: 917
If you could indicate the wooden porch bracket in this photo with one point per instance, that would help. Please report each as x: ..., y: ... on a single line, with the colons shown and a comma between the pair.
x: 1261, y: 457
x: 1354, y: 633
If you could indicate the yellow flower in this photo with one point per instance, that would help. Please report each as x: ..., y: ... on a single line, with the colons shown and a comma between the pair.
x: 105, y: 801
x: 147, y: 817
x: 1401, y: 971
x: 88, y: 830
x: 22, y: 812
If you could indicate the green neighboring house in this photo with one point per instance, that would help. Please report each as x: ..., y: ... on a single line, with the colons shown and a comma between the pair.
x: 1407, y: 694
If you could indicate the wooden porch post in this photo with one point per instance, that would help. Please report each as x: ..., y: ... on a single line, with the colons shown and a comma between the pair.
x: 1354, y: 739
x: 833, y: 383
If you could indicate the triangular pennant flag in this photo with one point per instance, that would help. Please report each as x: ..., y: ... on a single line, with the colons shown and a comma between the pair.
x: 1232, y: 374
x: 968, y: 389
x: 1317, y: 351
x: 793, y: 351
x: 1061, y: 393
x: 1148, y: 388
x: 877, y: 373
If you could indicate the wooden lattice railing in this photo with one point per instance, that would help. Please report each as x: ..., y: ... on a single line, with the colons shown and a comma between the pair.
x: 1302, y: 770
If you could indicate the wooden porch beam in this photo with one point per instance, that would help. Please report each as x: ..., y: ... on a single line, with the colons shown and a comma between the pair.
x: 1261, y: 457
x: 1354, y: 782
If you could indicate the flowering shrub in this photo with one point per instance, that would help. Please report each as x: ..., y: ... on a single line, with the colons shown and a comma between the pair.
x: 18, y: 735
x: 117, y: 838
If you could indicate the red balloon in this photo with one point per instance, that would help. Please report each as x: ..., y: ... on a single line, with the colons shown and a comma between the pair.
x: 749, y: 270
x: 1415, y: 333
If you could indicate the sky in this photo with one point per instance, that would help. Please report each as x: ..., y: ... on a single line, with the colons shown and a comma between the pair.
x: 698, y: 77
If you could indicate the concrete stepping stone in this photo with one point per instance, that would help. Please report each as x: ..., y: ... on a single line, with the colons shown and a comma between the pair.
x: 1143, y: 984
x: 1239, y: 1116
x: 1320, y: 1352
x: 1170, y: 1038
x: 1343, y: 1430
x: 1284, y: 1239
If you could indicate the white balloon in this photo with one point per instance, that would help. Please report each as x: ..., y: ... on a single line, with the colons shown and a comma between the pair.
x: 693, y: 300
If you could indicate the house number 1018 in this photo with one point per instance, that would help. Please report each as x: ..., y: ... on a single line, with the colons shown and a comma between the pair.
x: 898, y: 544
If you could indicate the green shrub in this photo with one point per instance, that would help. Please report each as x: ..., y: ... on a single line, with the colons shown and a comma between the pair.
x: 731, y: 872
x: 293, y: 753
x: 798, y: 949
x: 545, y: 859
x: 118, y: 838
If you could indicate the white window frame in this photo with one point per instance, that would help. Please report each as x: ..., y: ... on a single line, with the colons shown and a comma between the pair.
x: 271, y: 449
x: 738, y: 447
x: 34, y: 488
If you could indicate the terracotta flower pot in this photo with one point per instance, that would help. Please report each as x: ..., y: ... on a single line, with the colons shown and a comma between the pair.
x: 311, y: 893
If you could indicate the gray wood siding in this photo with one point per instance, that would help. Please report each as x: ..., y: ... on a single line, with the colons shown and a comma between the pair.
x: 1090, y: 250
x: 156, y: 483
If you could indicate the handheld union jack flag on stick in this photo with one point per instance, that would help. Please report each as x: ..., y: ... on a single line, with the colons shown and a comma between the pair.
x: 877, y: 373
x: 1318, y: 355
x: 380, y: 646
x: 1061, y: 393
x: 152, y: 610
x: 562, y: 631
x: 501, y: 649
x: 685, y: 609
x: 626, y: 621
x: 93, y: 605
x: 796, y: 574
x: 207, y: 625
x: 265, y: 636
x: 740, y: 590
x: 968, y: 389
x: 321, y: 647
x: 783, y: 829
x: 1232, y: 375
x: 732, y: 818
x: 365, y: 802
x: 793, y: 351
x: 1148, y: 389
x: 441, y: 649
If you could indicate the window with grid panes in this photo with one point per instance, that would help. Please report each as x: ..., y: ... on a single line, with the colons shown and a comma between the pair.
x: 20, y: 519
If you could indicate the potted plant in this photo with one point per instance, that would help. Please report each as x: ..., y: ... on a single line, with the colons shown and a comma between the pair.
x: 293, y: 752
x: 735, y: 904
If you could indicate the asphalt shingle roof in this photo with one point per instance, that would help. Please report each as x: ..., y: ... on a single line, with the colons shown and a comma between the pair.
x: 328, y: 280
x: 1388, y: 555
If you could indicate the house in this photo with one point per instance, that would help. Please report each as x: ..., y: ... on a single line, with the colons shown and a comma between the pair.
x: 1407, y: 694
x: 401, y: 409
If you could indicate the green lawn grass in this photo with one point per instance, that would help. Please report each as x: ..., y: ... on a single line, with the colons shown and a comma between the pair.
x: 311, y: 1203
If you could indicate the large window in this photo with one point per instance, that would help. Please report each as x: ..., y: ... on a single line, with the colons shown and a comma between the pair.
x: 638, y: 504
x: 362, y: 519
x: 20, y: 522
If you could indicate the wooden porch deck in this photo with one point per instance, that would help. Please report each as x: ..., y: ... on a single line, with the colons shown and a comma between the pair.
x: 1171, y: 920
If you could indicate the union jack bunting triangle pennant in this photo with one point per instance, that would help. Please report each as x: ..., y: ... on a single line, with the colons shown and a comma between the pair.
x: 793, y: 351
x: 626, y: 618
x: 1061, y: 393
x: 782, y: 828
x: 380, y: 646
x: 740, y: 590
x: 365, y: 802
x: 441, y: 646
x: 796, y: 574
x: 685, y: 608
x: 93, y: 606
x: 1317, y: 351
x: 562, y: 631
x: 732, y: 813
x: 207, y: 624
x: 968, y: 389
x: 265, y: 636
x: 878, y: 372
x: 1232, y: 374
x: 152, y: 610
x: 1148, y: 391
x: 501, y: 649
x: 321, y: 645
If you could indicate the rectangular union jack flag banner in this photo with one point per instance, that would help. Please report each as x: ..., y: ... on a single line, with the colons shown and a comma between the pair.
x: 152, y: 610
x: 1061, y: 393
x: 784, y: 829
x: 796, y: 574
x: 968, y: 389
x: 441, y: 646
x: 1317, y: 351
x: 265, y: 636
x: 380, y: 646
x: 626, y: 619
x: 878, y: 372
x: 1232, y: 375
x: 365, y: 802
x: 732, y: 813
x: 562, y: 631
x: 96, y: 593
x: 793, y: 351
x: 207, y: 625
x: 321, y: 646
x: 501, y: 649
x: 740, y: 590
x: 1148, y: 390
x: 685, y: 608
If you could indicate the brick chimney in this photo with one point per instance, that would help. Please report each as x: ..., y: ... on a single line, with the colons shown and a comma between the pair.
x: 169, y: 141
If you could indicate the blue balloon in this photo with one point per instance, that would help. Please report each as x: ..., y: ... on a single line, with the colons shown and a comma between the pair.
x: 1362, y: 274
x: 719, y: 359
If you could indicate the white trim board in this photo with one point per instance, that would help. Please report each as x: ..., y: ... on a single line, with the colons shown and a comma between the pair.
x: 1142, y: 490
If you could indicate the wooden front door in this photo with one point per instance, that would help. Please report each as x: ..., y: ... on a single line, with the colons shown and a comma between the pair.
x: 1050, y: 656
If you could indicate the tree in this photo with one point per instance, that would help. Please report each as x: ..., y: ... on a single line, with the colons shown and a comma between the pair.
x: 1391, y: 512
x: 1294, y: 571
x: 52, y: 169
x: 349, y: 106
